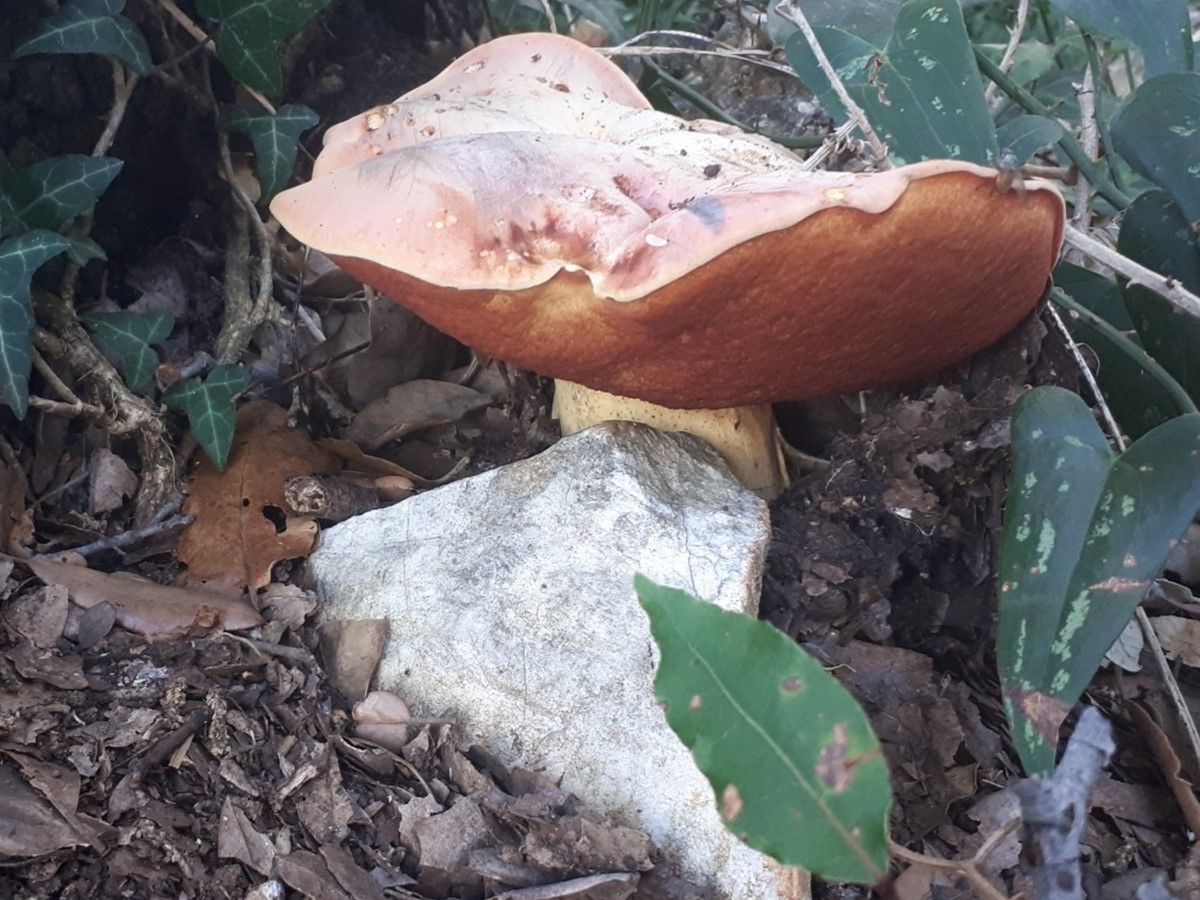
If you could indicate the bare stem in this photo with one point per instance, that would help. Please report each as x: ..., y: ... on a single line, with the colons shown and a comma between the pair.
x: 792, y: 12
x: 199, y: 34
x: 1010, y: 51
x: 1168, y: 288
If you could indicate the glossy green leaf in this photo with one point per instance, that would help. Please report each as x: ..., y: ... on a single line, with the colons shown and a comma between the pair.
x: 126, y: 337
x: 1031, y: 61
x: 251, y: 32
x: 275, y: 138
x: 1140, y: 392
x: 870, y: 20
x: 1026, y: 135
x: 922, y: 94
x: 51, y: 193
x: 1158, y: 27
x: 1158, y: 131
x: 91, y: 26
x: 20, y: 257
x: 794, y: 765
x: 1099, y: 294
x: 209, y: 407
x: 1155, y: 234
x: 1085, y: 533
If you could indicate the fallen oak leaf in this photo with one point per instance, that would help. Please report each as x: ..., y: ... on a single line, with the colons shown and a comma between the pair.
x: 233, y: 542
x: 147, y: 607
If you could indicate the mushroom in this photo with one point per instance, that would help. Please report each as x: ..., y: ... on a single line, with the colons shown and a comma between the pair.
x: 529, y: 202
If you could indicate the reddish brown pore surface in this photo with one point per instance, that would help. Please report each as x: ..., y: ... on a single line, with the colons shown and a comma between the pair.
x: 840, y: 301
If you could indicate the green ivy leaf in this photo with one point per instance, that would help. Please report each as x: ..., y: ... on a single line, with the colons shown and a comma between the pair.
x: 1160, y: 29
x: 1140, y: 392
x: 275, y: 138
x: 20, y: 257
x: 126, y: 337
x: 1155, y: 234
x: 251, y: 32
x: 791, y: 757
x: 1026, y: 135
x: 1158, y: 131
x: 1085, y: 532
x: 922, y: 94
x: 91, y: 26
x: 209, y: 408
x: 51, y: 193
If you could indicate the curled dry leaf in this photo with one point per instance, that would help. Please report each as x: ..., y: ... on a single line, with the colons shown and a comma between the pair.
x: 1180, y: 638
x: 241, y: 526
x: 146, y: 606
x: 112, y: 482
x: 382, y: 717
x: 413, y: 406
x: 351, y: 649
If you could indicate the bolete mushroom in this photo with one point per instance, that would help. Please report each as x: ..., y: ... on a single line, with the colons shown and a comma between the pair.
x: 529, y: 202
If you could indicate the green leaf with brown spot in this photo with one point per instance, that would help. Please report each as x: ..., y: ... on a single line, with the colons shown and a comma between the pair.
x: 1085, y: 533
x: 795, y: 768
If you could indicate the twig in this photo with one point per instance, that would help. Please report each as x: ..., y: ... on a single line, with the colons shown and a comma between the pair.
x: 123, y: 85
x: 1010, y: 51
x: 1067, y: 142
x: 831, y: 143
x: 199, y: 34
x: 802, y: 142
x: 68, y: 410
x: 283, y: 651
x: 75, y: 406
x: 242, y: 314
x: 1055, y: 809
x: 1100, y: 75
x: 549, y: 16
x: 163, y: 521
x: 1086, y: 371
x: 1168, y: 288
x: 1089, y: 133
x: 967, y: 868
x: 634, y: 47
x: 790, y: 11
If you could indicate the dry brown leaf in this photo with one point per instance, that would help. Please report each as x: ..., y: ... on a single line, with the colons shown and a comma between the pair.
x: 16, y: 521
x: 413, y: 406
x: 355, y: 460
x: 237, y: 838
x: 234, y: 542
x: 146, y: 606
x: 1180, y: 638
x: 112, y: 482
x: 1169, y: 765
x: 351, y: 649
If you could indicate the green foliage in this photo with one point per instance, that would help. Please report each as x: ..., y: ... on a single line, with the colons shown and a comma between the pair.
x: 1031, y: 61
x: 126, y: 337
x: 793, y: 763
x: 1024, y: 136
x: 91, y: 26
x: 1155, y: 234
x: 275, y: 138
x: 1140, y: 392
x: 1159, y: 28
x: 251, y: 32
x: 1158, y: 131
x: 1085, y: 532
x: 922, y: 94
x: 52, y: 193
x: 20, y: 257
x: 870, y: 20
x: 209, y: 407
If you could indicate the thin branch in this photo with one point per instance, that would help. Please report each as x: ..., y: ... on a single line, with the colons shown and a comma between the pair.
x: 123, y: 85
x: 1089, y: 133
x: 967, y: 868
x: 1010, y: 51
x: 1168, y: 288
x: 549, y: 16
x: 68, y: 410
x: 634, y: 47
x: 64, y: 392
x: 199, y: 34
x: 1067, y: 142
x: 1088, y: 376
x: 1100, y: 75
x: 790, y: 11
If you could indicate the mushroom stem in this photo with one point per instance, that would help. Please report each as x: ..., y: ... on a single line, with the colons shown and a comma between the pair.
x: 745, y: 436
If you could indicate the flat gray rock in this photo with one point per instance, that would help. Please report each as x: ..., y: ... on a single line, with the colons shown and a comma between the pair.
x: 512, y: 611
